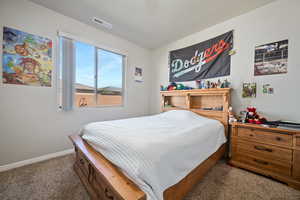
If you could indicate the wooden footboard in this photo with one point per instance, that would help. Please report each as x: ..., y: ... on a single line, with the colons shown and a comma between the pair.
x: 105, y: 181
x: 102, y: 179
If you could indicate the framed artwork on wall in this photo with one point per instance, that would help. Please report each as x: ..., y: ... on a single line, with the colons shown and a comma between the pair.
x: 271, y: 58
x: 138, y: 74
x: 249, y: 90
x: 27, y: 58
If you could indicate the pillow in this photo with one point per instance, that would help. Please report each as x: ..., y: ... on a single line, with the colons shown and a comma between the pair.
x: 181, y: 115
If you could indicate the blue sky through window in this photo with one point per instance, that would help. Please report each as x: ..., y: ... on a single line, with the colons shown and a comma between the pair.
x: 109, y: 66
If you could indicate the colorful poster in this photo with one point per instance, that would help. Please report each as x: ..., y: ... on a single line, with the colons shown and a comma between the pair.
x: 208, y: 59
x: 27, y: 58
x: 271, y: 58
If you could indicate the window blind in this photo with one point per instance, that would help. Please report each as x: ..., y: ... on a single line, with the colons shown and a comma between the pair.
x: 68, y: 73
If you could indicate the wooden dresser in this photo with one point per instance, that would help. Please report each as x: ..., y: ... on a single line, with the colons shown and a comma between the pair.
x: 273, y: 152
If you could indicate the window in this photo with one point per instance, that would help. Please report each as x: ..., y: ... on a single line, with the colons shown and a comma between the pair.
x: 90, y: 76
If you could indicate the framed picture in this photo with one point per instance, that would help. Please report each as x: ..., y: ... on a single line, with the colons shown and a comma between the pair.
x: 249, y: 90
x: 267, y: 89
x: 27, y: 58
x: 138, y: 74
x: 271, y: 58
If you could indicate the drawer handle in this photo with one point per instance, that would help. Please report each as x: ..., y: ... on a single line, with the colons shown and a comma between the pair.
x: 108, y: 195
x: 261, y: 162
x: 278, y: 138
x: 261, y: 148
x: 298, y: 136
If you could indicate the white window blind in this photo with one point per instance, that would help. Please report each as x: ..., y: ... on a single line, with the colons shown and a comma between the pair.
x: 67, y: 73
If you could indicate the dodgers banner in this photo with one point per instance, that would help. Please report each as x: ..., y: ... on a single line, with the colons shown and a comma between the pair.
x: 207, y: 59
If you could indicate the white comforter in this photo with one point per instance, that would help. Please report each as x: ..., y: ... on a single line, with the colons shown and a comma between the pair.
x: 156, y: 151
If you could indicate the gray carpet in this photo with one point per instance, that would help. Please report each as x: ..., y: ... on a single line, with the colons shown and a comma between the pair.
x: 55, y: 179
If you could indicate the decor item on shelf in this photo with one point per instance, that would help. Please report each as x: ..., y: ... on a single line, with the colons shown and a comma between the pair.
x: 207, y: 84
x: 198, y: 84
x: 242, y: 116
x: 180, y: 87
x: 225, y: 84
x: 271, y: 58
x: 253, y: 117
x: 175, y: 86
x: 27, y: 58
x: 231, y: 115
x: 249, y: 90
x: 188, y: 88
x: 202, y: 84
x: 213, y: 85
x: 172, y: 86
x: 219, y: 83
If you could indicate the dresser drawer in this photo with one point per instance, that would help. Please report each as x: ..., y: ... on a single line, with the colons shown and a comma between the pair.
x: 263, y: 164
x: 266, y: 137
x: 265, y: 151
x: 296, y: 165
x: 297, y: 140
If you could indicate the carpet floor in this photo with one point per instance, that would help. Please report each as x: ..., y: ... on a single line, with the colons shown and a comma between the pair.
x: 55, y: 179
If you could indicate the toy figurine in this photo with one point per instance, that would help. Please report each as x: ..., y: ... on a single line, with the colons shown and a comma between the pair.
x: 202, y: 84
x: 252, y: 116
x: 231, y: 115
x: 198, y: 84
x: 180, y: 86
x: 207, y: 86
x: 172, y: 86
x: 226, y: 83
x: 219, y: 83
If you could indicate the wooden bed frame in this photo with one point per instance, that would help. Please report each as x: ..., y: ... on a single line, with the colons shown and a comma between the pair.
x: 105, y: 181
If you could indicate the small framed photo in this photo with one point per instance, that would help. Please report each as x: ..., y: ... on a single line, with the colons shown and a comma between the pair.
x: 249, y: 90
x: 138, y: 74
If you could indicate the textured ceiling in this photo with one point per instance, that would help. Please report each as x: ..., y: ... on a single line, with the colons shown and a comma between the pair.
x: 153, y: 23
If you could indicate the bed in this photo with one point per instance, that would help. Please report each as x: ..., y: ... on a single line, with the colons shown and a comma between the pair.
x: 142, y: 158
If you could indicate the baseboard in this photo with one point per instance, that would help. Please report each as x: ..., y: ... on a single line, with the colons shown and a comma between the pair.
x: 35, y: 160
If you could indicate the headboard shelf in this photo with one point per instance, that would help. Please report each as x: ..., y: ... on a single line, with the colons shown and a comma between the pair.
x: 211, y: 103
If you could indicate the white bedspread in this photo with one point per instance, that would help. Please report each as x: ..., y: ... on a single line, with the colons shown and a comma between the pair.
x: 156, y: 151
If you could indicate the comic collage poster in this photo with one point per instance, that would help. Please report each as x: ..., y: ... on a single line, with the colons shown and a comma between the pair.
x: 27, y: 58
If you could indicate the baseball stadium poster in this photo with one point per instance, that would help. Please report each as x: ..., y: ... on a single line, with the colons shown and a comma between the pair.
x: 208, y: 59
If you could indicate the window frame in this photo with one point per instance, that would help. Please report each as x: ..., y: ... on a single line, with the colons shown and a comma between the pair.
x: 96, y: 48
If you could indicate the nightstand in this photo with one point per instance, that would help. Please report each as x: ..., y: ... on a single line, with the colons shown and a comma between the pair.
x: 273, y: 152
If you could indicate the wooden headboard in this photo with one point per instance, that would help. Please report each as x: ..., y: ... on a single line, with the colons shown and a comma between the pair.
x: 211, y: 103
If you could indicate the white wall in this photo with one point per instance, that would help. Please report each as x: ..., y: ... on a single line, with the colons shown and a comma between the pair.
x: 30, y: 123
x: 273, y: 22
